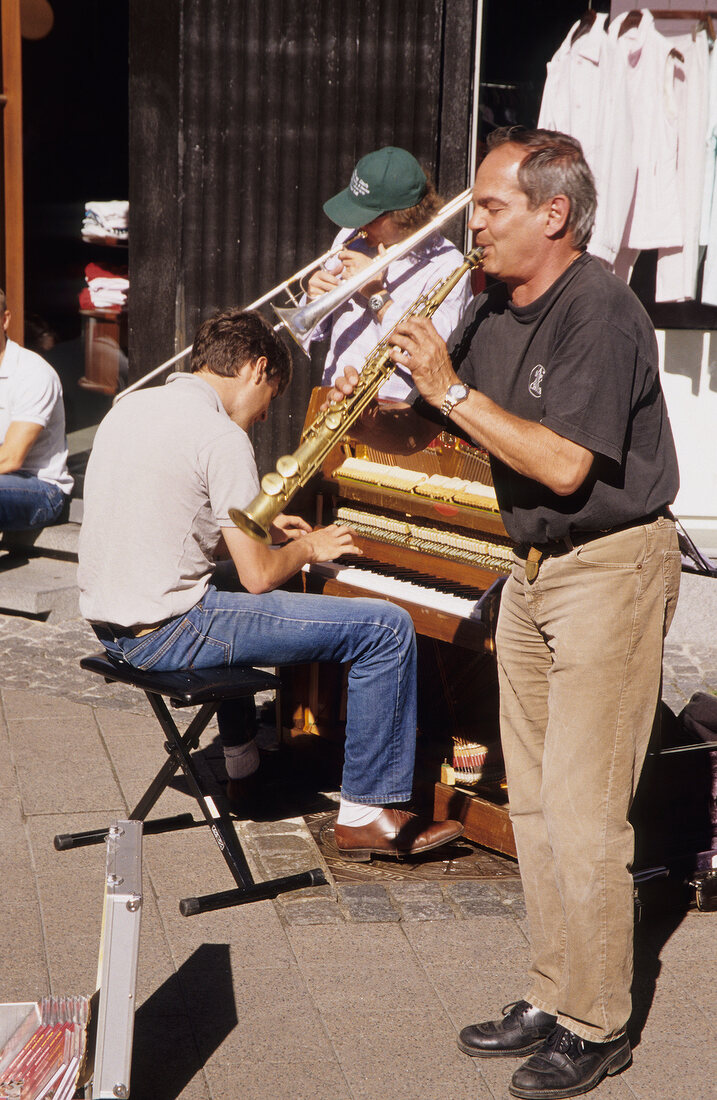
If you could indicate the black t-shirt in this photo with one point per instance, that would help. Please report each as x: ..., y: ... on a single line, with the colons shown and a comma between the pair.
x: 582, y: 360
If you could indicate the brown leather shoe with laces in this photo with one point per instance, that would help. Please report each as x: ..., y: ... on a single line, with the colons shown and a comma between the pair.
x: 394, y: 833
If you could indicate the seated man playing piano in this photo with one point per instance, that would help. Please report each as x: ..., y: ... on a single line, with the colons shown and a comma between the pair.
x: 554, y: 371
x: 389, y: 198
x: 167, y: 465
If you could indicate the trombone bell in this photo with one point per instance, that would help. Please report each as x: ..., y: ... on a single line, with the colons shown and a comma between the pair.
x: 297, y: 320
x: 301, y: 321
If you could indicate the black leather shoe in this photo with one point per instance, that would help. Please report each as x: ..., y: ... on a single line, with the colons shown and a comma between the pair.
x: 567, y: 1065
x: 522, y: 1029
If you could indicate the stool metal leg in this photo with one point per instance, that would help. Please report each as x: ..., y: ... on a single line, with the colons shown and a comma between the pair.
x: 223, y: 832
x: 64, y: 841
x: 221, y: 827
x: 190, y: 740
x: 225, y: 899
x: 179, y: 748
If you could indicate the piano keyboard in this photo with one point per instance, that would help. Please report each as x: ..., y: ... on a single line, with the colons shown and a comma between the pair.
x: 404, y: 585
x: 495, y: 554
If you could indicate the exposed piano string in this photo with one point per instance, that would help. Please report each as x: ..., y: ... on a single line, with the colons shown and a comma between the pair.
x: 446, y: 454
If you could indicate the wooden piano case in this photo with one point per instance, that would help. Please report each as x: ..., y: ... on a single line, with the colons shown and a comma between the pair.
x: 436, y: 543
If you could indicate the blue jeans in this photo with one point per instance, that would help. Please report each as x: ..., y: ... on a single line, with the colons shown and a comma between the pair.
x: 27, y: 501
x: 277, y: 628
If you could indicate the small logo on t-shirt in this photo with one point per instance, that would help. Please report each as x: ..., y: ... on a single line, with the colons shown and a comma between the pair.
x: 535, y: 386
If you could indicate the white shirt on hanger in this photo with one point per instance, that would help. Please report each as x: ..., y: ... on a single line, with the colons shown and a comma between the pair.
x: 677, y: 267
x: 655, y: 220
x: 708, y: 234
x: 585, y: 96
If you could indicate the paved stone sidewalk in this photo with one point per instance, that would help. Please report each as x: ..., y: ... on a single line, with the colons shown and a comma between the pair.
x: 354, y: 991
x: 686, y: 670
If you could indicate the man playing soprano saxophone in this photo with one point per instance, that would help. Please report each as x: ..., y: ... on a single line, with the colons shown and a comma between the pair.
x: 554, y: 371
x: 166, y: 467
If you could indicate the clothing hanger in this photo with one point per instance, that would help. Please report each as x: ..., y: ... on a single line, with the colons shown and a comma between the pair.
x: 631, y: 20
x: 587, y: 20
x: 706, y: 24
x: 703, y: 22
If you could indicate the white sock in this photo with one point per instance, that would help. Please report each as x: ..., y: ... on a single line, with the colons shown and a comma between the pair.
x: 357, y: 813
x: 241, y: 760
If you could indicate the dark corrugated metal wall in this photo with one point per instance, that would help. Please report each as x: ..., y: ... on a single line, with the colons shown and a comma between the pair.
x: 269, y: 105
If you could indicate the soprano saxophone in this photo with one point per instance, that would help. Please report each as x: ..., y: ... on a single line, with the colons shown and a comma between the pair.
x: 295, y: 470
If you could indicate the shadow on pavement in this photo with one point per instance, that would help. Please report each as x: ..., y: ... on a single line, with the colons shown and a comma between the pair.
x: 183, y: 1023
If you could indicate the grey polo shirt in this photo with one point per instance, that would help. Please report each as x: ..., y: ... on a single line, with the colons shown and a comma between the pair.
x: 166, y: 466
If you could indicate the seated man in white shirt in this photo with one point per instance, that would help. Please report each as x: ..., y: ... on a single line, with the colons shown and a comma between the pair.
x: 34, y: 481
x: 389, y: 198
x: 148, y: 553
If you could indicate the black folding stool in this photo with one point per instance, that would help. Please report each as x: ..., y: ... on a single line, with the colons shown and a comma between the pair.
x: 205, y: 688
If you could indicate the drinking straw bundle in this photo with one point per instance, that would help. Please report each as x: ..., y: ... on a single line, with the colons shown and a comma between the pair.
x: 44, y: 1065
x: 468, y: 760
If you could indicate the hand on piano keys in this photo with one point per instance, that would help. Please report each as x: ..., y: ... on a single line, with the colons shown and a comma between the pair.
x: 334, y: 541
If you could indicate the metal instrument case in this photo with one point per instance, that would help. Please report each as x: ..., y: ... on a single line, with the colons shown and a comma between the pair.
x: 117, y: 964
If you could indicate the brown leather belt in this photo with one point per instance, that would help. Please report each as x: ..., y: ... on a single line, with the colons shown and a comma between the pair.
x: 535, y: 553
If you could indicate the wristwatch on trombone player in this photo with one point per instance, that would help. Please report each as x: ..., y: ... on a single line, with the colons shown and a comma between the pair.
x: 454, y: 395
x: 377, y: 301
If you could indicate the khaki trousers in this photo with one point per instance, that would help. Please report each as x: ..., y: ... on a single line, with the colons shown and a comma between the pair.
x: 580, y: 662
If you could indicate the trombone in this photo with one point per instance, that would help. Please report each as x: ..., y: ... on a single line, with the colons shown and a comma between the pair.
x: 300, y: 321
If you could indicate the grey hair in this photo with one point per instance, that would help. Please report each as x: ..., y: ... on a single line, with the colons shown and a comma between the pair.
x: 554, y: 165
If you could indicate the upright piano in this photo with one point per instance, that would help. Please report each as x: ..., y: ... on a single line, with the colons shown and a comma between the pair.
x: 434, y: 543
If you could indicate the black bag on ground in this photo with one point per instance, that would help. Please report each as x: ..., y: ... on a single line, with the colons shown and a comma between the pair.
x: 675, y: 809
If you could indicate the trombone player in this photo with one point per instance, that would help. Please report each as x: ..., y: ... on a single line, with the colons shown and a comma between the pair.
x: 388, y: 198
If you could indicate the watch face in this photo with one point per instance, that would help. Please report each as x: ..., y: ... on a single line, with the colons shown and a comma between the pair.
x: 457, y: 392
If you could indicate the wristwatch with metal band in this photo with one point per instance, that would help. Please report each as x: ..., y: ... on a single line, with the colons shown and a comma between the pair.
x: 377, y: 301
x: 454, y: 395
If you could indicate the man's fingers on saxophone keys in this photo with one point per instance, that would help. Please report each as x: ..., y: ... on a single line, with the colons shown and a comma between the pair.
x: 343, y: 386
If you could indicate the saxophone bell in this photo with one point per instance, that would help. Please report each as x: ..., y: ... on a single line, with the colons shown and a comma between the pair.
x: 256, y: 520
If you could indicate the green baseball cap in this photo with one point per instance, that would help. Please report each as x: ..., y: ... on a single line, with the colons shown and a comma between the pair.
x: 389, y: 179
